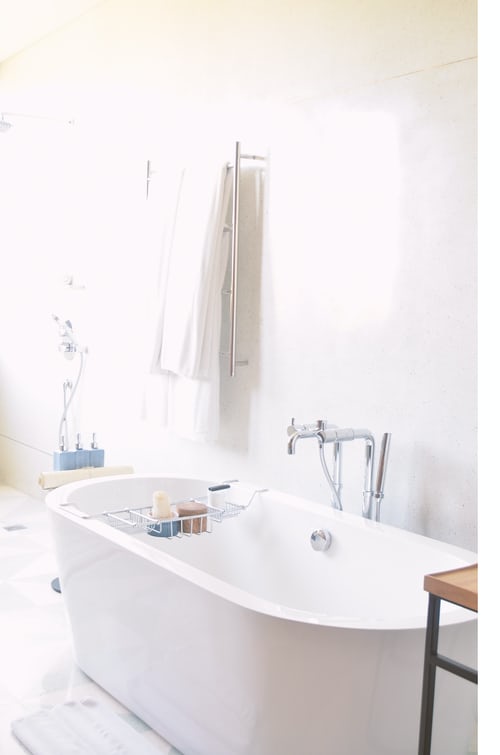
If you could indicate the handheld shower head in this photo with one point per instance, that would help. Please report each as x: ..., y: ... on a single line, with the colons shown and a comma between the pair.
x: 65, y: 328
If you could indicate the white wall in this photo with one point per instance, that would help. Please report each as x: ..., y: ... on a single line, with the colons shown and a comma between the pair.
x: 360, y: 304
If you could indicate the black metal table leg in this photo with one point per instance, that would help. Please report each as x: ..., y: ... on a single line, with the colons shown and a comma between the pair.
x: 429, y: 681
x: 433, y: 660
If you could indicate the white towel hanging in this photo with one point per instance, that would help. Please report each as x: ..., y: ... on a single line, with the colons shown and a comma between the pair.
x: 188, y: 329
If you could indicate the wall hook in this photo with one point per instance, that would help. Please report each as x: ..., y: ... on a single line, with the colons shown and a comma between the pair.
x: 149, y: 172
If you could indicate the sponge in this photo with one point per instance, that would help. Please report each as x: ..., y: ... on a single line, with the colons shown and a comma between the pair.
x: 196, y: 510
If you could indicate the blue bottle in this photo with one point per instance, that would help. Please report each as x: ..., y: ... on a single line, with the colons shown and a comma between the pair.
x: 62, y: 460
x: 96, y: 454
x: 82, y: 455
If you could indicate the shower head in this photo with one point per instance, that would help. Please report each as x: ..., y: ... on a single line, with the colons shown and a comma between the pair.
x: 4, y: 125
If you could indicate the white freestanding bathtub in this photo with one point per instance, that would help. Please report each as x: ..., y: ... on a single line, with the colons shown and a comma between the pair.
x: 246, y: 641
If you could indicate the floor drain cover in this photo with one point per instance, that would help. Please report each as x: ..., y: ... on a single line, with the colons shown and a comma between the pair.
x: 12, y: 527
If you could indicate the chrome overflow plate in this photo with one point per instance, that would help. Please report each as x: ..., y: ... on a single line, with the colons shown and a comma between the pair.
x: 321, y: 540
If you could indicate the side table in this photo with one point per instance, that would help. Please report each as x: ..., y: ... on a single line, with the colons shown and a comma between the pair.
x: 457, y: 586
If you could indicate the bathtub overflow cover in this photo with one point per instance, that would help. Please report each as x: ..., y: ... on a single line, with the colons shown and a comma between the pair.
x: 321, y: 540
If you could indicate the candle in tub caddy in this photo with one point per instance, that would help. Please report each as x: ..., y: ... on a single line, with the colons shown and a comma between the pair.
x: 164, y: 513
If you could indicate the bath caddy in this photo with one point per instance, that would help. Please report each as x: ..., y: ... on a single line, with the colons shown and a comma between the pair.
x: 140, y: 518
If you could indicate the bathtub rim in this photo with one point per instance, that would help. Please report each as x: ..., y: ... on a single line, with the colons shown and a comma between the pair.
x: 57, y: 501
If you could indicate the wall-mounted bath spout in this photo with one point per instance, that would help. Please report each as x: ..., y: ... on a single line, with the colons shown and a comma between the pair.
x: 296, y: 432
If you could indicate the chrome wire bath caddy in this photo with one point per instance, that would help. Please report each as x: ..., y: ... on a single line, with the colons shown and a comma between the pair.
x: 140, y: 518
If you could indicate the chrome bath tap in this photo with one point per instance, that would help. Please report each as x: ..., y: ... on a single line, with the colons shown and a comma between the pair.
x: 296, y: 432
x: 327, y: 433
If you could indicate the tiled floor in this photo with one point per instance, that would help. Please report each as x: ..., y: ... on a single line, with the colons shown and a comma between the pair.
x: 37, y: 668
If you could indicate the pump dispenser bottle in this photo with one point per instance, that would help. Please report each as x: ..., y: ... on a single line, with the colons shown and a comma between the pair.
x: 96, y: 454
x: 82, y: 455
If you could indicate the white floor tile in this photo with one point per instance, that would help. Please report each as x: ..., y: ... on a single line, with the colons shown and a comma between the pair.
x: 36, y: 589
x: 36, y: 655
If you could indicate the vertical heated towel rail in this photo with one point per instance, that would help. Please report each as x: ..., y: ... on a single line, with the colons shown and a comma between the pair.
x: 234, y: 229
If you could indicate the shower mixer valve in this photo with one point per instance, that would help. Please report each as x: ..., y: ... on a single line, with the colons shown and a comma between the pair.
x: 373, y: 491
x: 68, y: 345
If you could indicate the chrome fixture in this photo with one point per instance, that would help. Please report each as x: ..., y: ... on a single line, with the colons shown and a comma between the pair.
x: 140, y: 517
x: 381, y: 472
x: 149, y: 173
x: 63, y: 425
x: 255, y: 492
x: 321, y: 540
x: 297, y: 432
x: 327, y: 433
x: 67, y: 345
x: 4, y: 125
x: 233, y: 228
x: 335, y: 435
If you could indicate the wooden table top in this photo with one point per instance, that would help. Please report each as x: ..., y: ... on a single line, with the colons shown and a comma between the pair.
x: 458, y: 586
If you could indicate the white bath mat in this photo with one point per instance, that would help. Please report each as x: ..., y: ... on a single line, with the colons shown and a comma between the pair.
x: 80, y: 728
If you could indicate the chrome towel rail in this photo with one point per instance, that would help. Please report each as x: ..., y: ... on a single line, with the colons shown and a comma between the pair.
x: 234, y: 229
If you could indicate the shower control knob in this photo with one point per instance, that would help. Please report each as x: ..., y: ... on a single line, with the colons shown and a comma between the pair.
x: 321, y: 540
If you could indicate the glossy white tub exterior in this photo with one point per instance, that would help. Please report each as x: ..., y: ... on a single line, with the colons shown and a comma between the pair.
x: 245, y: 641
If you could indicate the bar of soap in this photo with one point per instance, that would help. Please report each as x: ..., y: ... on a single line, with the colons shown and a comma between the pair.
x: 193, y: 509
